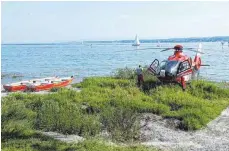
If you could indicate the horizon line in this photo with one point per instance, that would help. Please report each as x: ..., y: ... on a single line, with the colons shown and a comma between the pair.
x: 78, y: 41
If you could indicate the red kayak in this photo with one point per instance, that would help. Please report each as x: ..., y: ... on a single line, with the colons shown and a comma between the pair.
x: 19, y: 86
x: 49, y: 83
x: 38, y: 84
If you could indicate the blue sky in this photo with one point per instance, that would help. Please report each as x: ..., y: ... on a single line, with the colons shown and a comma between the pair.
x: 72, y: 21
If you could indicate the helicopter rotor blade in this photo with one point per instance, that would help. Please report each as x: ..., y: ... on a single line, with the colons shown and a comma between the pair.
x: 189, y: 49
x: 166, y: 49
x: 149, y: 48
x: 146, y: 49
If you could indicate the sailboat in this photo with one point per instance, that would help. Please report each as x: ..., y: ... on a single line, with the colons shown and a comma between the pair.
x: 136, y: 42
x: 158, y: 44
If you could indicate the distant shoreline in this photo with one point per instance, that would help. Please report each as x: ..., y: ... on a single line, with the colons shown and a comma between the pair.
x: 161, y: 40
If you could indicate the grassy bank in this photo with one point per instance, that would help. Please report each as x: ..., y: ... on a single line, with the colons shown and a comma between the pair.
x: 112, y: 104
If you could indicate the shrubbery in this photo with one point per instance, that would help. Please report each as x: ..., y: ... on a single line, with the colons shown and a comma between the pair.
x: 113, y: 104
x: 121, y: 123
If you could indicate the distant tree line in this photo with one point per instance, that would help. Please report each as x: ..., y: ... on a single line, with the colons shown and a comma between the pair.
x: 193, y: 39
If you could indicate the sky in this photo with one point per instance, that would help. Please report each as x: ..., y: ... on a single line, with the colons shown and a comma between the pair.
x: 26, y: 22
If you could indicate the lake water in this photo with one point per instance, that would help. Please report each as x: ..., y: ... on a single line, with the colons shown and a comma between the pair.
x: 99, y: 59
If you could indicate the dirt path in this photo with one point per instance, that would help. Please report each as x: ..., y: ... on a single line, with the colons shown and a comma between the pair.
x: 215, y: 137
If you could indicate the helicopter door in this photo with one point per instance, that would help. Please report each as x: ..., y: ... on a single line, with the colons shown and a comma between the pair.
x: 184, y: 69
x: 154, y: 67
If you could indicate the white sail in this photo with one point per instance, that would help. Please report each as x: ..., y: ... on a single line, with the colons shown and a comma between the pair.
x: 158, y: 44
x: 136, y: 42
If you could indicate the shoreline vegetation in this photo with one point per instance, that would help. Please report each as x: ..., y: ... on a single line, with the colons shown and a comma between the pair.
x: 112, y: 105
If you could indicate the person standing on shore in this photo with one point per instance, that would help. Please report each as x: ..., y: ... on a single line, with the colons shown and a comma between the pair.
x: 140, y: 79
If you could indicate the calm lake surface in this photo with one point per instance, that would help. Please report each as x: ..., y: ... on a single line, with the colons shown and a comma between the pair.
x: 99, y: 59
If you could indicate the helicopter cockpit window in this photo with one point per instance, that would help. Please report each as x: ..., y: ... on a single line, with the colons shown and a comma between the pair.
x: 172, y: 64
x: 184, y: 66
x: 172, y: 67
x: 163, y: 64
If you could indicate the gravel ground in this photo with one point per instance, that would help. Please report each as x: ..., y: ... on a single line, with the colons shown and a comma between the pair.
x: 159, y: 132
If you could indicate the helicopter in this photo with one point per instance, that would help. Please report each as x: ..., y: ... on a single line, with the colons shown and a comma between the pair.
x: 179, y: 67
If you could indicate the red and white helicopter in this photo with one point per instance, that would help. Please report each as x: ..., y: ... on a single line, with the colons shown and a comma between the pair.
x: 179, y: 67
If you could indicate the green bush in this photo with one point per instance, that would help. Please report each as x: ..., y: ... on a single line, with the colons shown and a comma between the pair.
x: 67, y: 118
x: 121, y: 123
x: 17, y: 120
x: 107, y: 82
x: 207, y: 90
x: 125, y: 73
x: 17, y: 129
